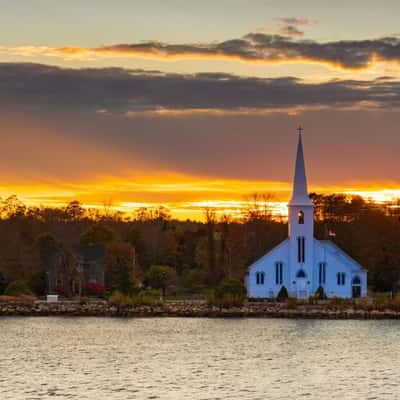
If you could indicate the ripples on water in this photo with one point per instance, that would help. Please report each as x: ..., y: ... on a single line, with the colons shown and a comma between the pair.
x: 90, y: 358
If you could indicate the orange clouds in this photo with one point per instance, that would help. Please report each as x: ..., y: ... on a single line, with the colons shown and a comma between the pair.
x: 252, y: 48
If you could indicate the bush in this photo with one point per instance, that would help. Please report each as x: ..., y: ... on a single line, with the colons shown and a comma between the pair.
x: 341, y: 302
x: 292, y: 303
x: 194, y: 279
x: 17, y: 288
x: 3, y: 283
x: 320, y: 294
x: 59, y: 289
x: 229, y: 293
x: 283, y: 294
x: 143, y: 298
x: 396, y: 301
x: 38, y: 284
x: 160, y: 277
x: 94, y: 289
x: 120, y: 299
x: 381, y: 299
x: 147, y: 298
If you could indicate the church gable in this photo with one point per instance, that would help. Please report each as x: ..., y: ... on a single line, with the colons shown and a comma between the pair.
x: 278, y: 251
x: 267, y: 275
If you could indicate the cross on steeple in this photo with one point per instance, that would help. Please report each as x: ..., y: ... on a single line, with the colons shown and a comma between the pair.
x: 300, y: 129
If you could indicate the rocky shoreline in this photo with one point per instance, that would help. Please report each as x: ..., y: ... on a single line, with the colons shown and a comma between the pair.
x: 194, y: 310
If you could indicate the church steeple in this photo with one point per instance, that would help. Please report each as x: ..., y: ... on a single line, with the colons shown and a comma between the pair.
x: 300, y: 191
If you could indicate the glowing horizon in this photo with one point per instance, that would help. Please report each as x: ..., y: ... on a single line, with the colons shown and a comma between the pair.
x: 184, y: 197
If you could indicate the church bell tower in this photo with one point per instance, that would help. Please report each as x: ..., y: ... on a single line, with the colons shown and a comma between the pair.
x: 301, y: 227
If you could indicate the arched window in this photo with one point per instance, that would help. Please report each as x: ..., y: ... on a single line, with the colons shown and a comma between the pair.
x: 341, y: 278
x: 300, y: 216
x: 301, y: 273
x: 356, y: 280
x: 260, y: 278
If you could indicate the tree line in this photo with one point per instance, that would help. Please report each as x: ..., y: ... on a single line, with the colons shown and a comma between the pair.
x: 198, y: 255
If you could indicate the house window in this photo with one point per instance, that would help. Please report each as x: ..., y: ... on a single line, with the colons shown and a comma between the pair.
x: 301, y: 273
x: 301, y: 249
x: 322, y: 273
x: 260, y: 278
x: 278, y: 273
x: 341, y: 278
x: 300, y: 217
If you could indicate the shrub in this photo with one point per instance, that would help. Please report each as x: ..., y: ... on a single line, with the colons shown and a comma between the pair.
x: 194, y: 279
x: 120, y: 299
x: 38, y: 284
x: 228, y: 293
x: 381, y: 299
x: 147, y: 298
x: 320, y: 294
x: 94, y: 289
x: 3, y: 283
x: 160, y: 277
x: 143, y: 298
x: 283, y: 294
x: 396, y: 301
x: 292, y: 302
x: 17, y: 288
x: 59, y: 289
x: 341, y: 302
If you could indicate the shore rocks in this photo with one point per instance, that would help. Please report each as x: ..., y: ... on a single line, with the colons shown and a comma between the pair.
x: 191, y: 309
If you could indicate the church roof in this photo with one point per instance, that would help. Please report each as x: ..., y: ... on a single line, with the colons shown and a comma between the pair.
x: 286, y: 241
x: 300, y: 195
x: 330, y: 246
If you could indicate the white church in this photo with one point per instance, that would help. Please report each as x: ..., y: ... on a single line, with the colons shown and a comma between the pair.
x: 302, y: 263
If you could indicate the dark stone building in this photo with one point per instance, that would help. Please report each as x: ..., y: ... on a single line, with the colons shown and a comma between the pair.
x: 69, y: 269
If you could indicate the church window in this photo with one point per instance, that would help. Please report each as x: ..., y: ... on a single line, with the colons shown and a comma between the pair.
x: 300, y: 216
x: 322, y: 273
x: 356, y: 280
x: 278, y: 273
x: 260, y: 278
x: 301, y: 273
x: 341, y: 278
x: 301, y: 256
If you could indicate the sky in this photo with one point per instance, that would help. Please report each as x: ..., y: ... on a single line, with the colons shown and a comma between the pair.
x: 190, y: 104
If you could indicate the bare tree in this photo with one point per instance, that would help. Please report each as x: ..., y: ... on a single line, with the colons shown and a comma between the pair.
x: 259, y: 207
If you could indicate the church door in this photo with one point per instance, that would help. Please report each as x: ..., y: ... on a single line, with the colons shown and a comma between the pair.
x: 356, y: 291
x: 356, y: 287
x: 302, y: 292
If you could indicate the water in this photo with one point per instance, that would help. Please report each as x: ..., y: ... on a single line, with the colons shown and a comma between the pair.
x: 91, y: 358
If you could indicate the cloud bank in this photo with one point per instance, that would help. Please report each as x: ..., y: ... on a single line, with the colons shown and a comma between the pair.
x: 127, y: 91
x: 253, y: 47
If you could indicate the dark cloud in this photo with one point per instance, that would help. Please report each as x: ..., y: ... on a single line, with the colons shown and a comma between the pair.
x: 289, y: 26
x: 117, y: 90
x: 290, y: 30
x: 296, y: 21
x: 256, y: 47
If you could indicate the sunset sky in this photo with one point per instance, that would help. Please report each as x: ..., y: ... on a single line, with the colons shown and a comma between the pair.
x: 196, y: 103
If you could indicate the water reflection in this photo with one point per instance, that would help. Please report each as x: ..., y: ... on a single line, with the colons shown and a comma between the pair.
x: 90, y: 358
